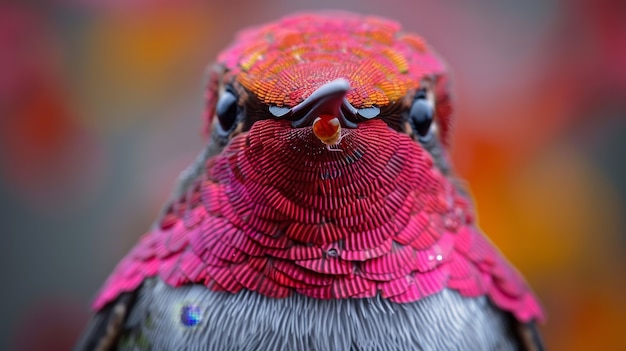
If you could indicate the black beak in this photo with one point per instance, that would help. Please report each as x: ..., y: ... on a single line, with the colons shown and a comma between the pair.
x: 329, y: 99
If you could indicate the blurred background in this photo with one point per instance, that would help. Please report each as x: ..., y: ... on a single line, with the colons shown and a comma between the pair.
x: 100, y: 105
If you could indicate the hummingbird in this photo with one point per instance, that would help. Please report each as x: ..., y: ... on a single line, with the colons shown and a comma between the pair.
x: 323, y: 212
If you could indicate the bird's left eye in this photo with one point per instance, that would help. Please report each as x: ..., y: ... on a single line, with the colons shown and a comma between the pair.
x: 421, y: 114
x: 226, y: 109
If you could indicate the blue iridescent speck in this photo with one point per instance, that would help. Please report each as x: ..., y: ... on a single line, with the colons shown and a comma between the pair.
x: 190, y: 316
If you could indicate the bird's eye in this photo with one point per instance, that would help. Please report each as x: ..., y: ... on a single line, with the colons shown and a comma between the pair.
x: 421, y: 114
x: 226, y: 109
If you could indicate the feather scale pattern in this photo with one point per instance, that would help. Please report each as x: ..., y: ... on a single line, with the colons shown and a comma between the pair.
x: 279, y: 214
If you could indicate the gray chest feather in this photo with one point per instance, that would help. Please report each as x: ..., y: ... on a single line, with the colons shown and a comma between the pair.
x: 195, y: 318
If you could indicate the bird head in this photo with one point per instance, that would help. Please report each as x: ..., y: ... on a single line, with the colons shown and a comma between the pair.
x: 329, y: 74
x: 320, y: 110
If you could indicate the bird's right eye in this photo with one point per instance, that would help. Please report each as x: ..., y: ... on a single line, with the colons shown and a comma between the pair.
x: 421, y: 115
x: 226, y: 109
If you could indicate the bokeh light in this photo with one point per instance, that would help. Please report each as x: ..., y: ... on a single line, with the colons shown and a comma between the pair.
x: 101, y: 105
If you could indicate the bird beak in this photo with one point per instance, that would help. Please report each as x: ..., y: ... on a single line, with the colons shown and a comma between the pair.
x: 329, y: 99
x: 324, y: 105
x: 326, y: 100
